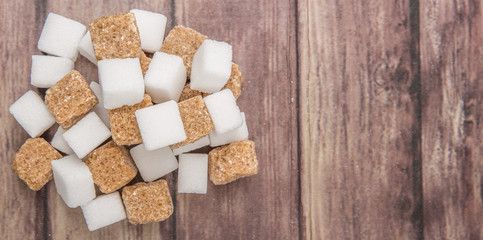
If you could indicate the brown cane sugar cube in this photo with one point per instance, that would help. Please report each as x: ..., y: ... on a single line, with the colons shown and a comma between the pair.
x: 70, y: 99
x: 197, y: 122
x: 32, y: 162
x: 124, y: 127
x: 145, y: 61
x: 111, y: 166
x: 231, y: 162
x: 147, y: 202
x: 234, y: 82
x: 188, y: 93
x: 115, y: 36
x: 183, y: 42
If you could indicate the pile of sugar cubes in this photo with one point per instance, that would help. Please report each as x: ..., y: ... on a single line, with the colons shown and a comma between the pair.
x: 144, y: 115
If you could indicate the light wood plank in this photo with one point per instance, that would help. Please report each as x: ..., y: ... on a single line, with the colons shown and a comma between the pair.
x: 451, y: 73
x: 359, y: 125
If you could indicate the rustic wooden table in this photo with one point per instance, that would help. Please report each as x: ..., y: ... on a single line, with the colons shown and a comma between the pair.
x: 366, y: 116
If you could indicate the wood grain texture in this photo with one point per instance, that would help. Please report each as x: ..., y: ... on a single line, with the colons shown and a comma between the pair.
x: 264, y: 206
x: 452, y: 87
x: 359, y: 124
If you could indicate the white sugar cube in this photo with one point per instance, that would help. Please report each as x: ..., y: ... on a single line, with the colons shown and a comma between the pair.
x: 121, y: 81
x: 32, y: 114
x: 223, y: 111
x: 165, y: 78
x: 202, y: 142
x: 61, y: 36
x: 154, y: 164
x: 48, y: 70
x: 104, y: 211
x: 211, y: 67
x: 73, y: 181
x: 235, y: 135
x: 99, y: 108
x: 151, y: 29
x: 87, y: 134
x: 160, y: 125
x: 86, y: 49
x: 193, y: 173
x: 59, y: 142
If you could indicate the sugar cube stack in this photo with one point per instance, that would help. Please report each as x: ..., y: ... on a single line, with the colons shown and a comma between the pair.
x: 60, y: 36
x: 165, y: 78
x: 154, y: 164
x: 121, y: 81
x: 193, y: 173
x: 73, y: 181
x: 160, y: 125
x: 211, y: 66
x: 151, y: 29
x: 32, y: 162
x: 32, y: 114
x: 194, y: 86
x: 48, y: 70
x: 59, y: 143
x: 103, y: 211
x: 224, y: 111
x: 86, y: 135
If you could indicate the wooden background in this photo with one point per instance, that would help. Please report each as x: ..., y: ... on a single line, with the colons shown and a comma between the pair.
x: 366, y: 116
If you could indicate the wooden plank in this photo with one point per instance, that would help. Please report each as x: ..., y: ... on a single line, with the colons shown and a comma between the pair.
x: 451, y: 73
x: 66, y: 223
x: 359, y: 124
x: 20, y: 30
x: 264, y: 206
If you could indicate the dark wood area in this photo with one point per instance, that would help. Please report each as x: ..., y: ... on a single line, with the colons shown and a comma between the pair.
x: 366, y: 116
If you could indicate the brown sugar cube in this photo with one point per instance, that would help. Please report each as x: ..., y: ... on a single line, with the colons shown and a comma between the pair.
x: 234, y: 83
x: 124, y: 127
x: 32, y: 162
x: 145, y: 61
x: 188, y: 93
x: 197, y: 122
x: 183, y: 42
x: 115, y: 36
x: 147, y: 202
x: 111, y: 166
x: 70, y: 99
x: 231, y: 162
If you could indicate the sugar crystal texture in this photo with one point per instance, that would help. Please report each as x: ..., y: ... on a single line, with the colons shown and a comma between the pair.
x: 73, y: 181
x: 154, y: 164
x: 147, y: 202
x: 235, y: 135
x: 70, y: 99
x: 121, y: 81
x: 231, y: 162
x: 32, y: 114
x: 86, y: 49
x: 99, y: 108
x: 211, y: 66
x: 111, y: 166
x: 59, y: 143
x: 160, y: 125
x: 193, y: 173
x: 115, y: 36
x: 202, y: 142
x: 165, y: 78
x: 60, y: 36
x: 151, y: 29
x: 234, y: 83
x: 183, y: 41
x: 87, y: 134
x: 32, y: 162
x: 104, y: 211
x: 188, y: 93
x: 48, y: 70
x: 224, y: 111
